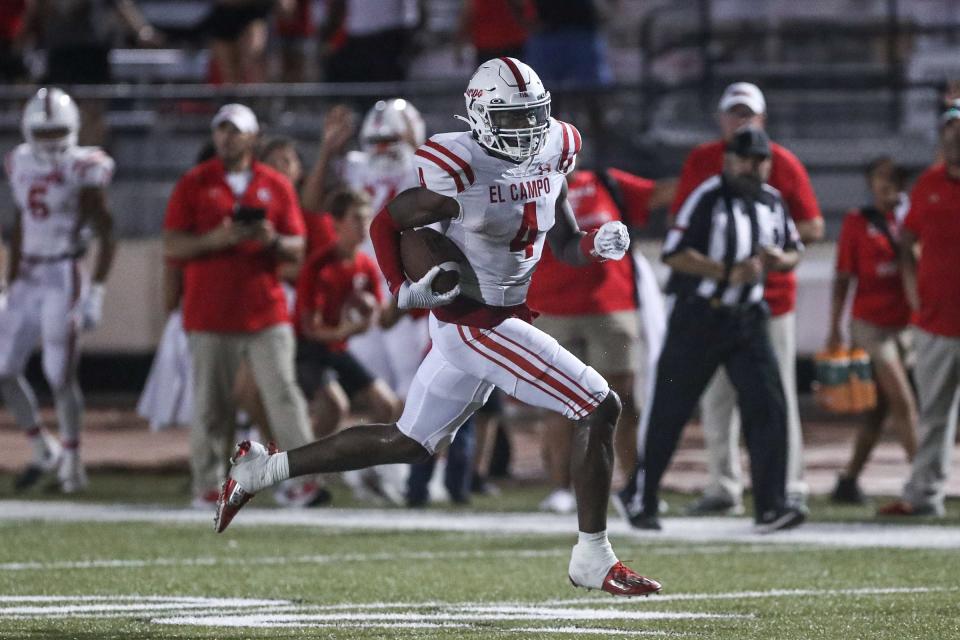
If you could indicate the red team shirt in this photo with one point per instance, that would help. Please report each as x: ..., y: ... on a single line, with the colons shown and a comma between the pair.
x: 319, y: 229
x: 788, y: 176
x: 864, y: 252
x: 934, y: 217
x: 328, y: 281
x: 599, y: 287
x: 234, y: 290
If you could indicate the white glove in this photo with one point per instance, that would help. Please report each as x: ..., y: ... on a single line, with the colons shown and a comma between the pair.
x: 612, y: 240
x: 91, y: 309
x: 420, y: 295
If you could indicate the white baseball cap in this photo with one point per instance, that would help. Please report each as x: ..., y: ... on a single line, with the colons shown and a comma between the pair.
x: 743, y: 93
x: 241, y: 116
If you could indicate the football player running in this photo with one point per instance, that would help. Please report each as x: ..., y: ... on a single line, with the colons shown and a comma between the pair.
x: 498, y: 192
x: 59, y: 190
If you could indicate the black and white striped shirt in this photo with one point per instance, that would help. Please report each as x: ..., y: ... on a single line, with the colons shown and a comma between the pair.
x: 728, y: 228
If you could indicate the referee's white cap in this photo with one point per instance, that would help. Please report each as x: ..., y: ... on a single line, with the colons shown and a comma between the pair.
x: 743, y: 93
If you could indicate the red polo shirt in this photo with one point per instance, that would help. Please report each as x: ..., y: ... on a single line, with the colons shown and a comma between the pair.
x: 234, y: 290
x: 320, y: 231
x: 934, y: 217
x: 327, y: 282
x: 599, y: 287
x: 788, y: 176
x: 865, y: 253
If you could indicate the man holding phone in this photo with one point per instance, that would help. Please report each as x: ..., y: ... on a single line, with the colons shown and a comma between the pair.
x: 231, y: 221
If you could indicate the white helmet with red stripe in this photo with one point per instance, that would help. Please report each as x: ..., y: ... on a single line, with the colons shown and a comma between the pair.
x: 54, y: 115
x: 508, y: 108
x: 391, y: 128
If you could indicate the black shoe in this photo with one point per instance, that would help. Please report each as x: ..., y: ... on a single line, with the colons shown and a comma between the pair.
x: 781, y: 520
x: 322, y: 499
x: 847, y: 491
x: 647, y: 521
x: 29, y: 477
x: 714, y: 506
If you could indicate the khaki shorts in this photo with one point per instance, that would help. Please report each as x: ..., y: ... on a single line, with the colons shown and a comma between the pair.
x: 607, y: 342
x: 883, y: 344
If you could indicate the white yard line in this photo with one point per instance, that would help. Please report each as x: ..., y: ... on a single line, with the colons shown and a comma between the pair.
x: 700, y: 530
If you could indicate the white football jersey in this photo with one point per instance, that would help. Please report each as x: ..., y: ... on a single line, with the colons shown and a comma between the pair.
x: 506, y: 209
x: 48, y: 196
x: 381, y: 180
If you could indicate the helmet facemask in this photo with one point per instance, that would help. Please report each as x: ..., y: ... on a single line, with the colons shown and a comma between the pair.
x: 515, y: 131
x: 46, y: 144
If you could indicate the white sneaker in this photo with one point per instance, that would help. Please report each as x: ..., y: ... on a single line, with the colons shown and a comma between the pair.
x: 559, y: 501
x: 71, y: 474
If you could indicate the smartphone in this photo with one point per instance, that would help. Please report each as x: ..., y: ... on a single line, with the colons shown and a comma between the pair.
x: 249, y: 215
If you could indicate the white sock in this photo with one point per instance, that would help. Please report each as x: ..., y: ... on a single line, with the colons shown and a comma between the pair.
x: 591, y: 559
x: 278, y: 468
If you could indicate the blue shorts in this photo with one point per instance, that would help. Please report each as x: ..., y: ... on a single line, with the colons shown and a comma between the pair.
x: 569, y: 59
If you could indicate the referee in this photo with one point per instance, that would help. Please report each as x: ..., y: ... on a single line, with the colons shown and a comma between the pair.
x: 729, y: 232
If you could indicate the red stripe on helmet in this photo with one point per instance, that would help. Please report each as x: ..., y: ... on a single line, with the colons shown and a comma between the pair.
x: 467, y: 171
x: 515, y: 70
x: 47, y: 104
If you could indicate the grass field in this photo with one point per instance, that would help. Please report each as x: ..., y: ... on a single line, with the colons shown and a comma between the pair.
x: 160, y: 572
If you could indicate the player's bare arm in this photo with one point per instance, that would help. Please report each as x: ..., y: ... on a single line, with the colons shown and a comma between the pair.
x: 570, y: 245
x: 419, y: 206
x: 94, y: 212
x: 416, y: 207
x: 565, y: 236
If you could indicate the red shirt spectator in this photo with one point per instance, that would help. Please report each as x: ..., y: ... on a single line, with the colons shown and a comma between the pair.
x: 494, y: 25
x: 298, y: 23
x: 237, y: 289
x: 320, y: 231
x: 786, y: 175
x: 934, y: 218
x: 327, y: 283
x: 865, y: 253
x: 11, y: 19
x: 599, y: 287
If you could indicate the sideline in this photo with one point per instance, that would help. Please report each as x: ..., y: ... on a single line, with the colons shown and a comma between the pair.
x: 700, y: 530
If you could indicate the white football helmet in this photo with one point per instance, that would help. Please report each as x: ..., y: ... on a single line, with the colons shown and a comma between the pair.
x: 508, y: 109
x: 50, y: 109
x: 391, y: 129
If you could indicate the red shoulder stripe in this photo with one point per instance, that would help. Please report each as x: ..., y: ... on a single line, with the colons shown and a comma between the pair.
x: 467, y: 171
x: 566, y: 147
x: 443, y: 165
x: 577, y: 142
x: 521, y: 85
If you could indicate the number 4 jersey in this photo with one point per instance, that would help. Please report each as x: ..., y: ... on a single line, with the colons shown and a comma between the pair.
x: 505, y: 209
x: 48, y: 197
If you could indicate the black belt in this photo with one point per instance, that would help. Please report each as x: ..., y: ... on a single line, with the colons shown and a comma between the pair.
x: 49, y: 259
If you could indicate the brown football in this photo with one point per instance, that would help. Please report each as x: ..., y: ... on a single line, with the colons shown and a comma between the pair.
x: 422, y: 249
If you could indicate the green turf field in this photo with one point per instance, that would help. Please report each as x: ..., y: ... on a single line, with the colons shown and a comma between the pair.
x: 91, y: 579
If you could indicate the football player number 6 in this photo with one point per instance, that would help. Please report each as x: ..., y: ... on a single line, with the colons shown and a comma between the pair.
x: 36, y: 201
x: 527, y: 233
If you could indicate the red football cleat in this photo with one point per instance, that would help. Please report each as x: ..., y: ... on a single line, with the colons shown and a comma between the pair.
x: 621, y: 580
x: 233, y: 495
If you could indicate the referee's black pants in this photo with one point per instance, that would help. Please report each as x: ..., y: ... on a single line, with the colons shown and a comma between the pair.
x: 700, y: 338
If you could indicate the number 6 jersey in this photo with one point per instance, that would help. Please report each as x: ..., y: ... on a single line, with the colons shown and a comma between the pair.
x: 505, y: 209
x: 48, y: 197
